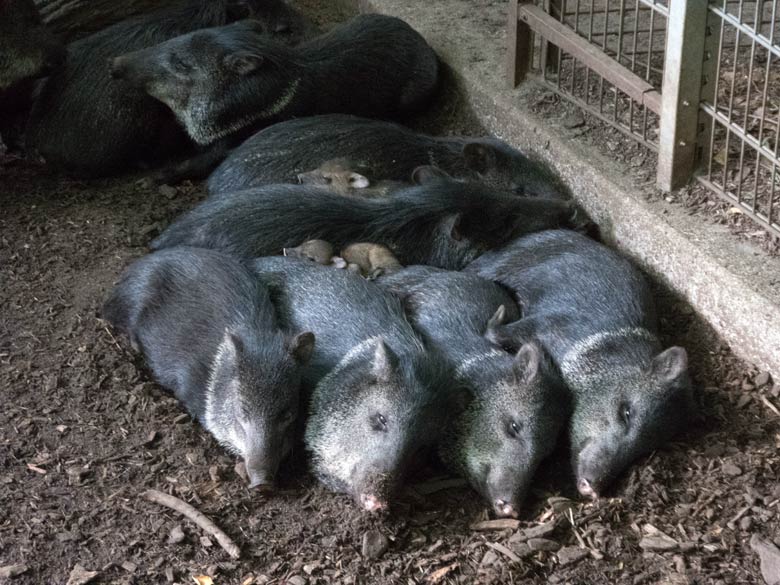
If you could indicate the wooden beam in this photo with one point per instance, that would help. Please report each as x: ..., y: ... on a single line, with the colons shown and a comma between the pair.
x: 681, y: 91
x: 519, y: 50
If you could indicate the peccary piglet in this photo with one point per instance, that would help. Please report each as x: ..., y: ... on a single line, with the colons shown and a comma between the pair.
x: 224, y: 80
x: 27, y: 48
x: 375, y: 398
x: 209, y: 333
x: 338, y: 175
x: 318, y: 251
x: 443, y: 222
x: 372, y: 260
x: 518, y: 405
x: 593, y: 313
x: 88, y: 124
x: 379, y: 150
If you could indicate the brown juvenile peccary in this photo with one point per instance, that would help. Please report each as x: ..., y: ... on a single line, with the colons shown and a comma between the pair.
x: 318, y: 251
x: 372, y: 260
x: 348, y: 178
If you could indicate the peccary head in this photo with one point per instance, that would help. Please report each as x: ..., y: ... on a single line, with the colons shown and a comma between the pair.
x: 367, y: 418
x: 217, y: 80
x: 339, y: 175
x: 27, y: 48
x: 252, y: 398
x: 512, y: 423
x: 463, y: 219
x: 624, y: 410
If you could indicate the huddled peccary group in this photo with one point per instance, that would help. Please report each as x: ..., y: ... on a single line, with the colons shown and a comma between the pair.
x: 350, y: 284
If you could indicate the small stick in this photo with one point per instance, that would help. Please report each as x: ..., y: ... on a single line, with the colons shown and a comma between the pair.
x: 770, y: 406
x: 198, y: 518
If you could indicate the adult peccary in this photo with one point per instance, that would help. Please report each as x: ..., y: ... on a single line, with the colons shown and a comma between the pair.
x: 27, y: 48
x: 518, y: 405
x: 209, y: 333
x: 379, y: 150
x: 374, y: 390
x: 593, y: 313
x: 442, y: 222
x: 89, y: 124
x: 228, y: 80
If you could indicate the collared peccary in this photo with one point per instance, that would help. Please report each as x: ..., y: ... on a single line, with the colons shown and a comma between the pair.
x: 27, y: 48
x: 209, y: 333
x: 89, y: 124
x: 594, y: 314
x: 380, y: 150
x: 226, y: 80
x: 375, y: 398
x: 339, y: 175
x: 442, y: 222
x: 519, y: 405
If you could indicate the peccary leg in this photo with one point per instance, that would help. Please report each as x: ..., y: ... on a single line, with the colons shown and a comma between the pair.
x: 197, y: 167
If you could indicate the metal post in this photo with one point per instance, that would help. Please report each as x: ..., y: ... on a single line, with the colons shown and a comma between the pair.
x: 519, y: 51
x: 686, y: 28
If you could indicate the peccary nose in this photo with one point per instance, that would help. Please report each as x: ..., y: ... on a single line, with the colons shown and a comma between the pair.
x: 504, y: 509
x: 260, y: 480
x: 585, y: 488
x: 372, y: 503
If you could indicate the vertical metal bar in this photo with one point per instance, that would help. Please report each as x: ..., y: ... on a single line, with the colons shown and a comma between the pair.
x: 724, y: 179
x: 713, y: 47
x: 636, y: 33
x: 686, y: 28
x: 519, y: 48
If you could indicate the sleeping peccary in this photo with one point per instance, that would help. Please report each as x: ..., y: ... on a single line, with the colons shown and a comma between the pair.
x: 518, y: 404
x: 593, y: 313
x: 442, y: 222
x: 88, y: 124
x: 209, y: 333
x: 378, y: 149
x: 374, y: 390
x: 231, y: 79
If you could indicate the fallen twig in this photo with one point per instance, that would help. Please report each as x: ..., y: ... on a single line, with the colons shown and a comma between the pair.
x: 198, y: 518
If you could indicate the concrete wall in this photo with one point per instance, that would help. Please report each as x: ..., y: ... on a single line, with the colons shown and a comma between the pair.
x: 734, y: 287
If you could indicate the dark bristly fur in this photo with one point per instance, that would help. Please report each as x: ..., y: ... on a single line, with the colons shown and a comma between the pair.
x: 381, y: 150
x: 92, y: 125
x: 368, y: 362
x: 208, y: 331
x: 594, y: 314
x: 27, y: 48
x: 443, y: 223
x: 223, y: 81
x: 518, y: 405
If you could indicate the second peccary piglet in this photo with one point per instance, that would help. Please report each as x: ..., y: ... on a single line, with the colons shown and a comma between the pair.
x: 374, y: 389
x: 442, y: 222
x: 594, y: 314
x: 209, y: 333
x: 224, y: 80
x: 518, y: 404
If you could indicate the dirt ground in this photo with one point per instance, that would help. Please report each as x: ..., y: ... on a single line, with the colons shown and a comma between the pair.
x: 85, y: 431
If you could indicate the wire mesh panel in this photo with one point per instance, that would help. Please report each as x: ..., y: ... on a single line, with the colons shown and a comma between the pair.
x: 633, y: 33
x: 741, y: 116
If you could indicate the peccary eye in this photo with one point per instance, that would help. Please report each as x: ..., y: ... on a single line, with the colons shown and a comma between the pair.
x: 179, y: 65
x: 328, y: 180
x: 379, y: 422
x: 625, y: 414
x: 514, y: 429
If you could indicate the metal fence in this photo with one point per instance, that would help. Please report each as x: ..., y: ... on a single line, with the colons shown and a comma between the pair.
x: 697, y: 81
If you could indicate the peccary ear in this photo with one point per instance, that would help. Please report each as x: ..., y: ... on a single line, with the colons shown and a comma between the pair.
x: 384, y: 362
x: 227, y: 353
x: 243, y: 62
x: 526, y: 363
x: 479, y: 156
x: 358, y: 181
x: 498, y: 318
x: 670, y: 365
x: 427, y: 173
x: 301, y: 346
x: 452, y: 225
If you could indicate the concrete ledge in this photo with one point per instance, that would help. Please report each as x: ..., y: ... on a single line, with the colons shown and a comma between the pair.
x: 734, y: 287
